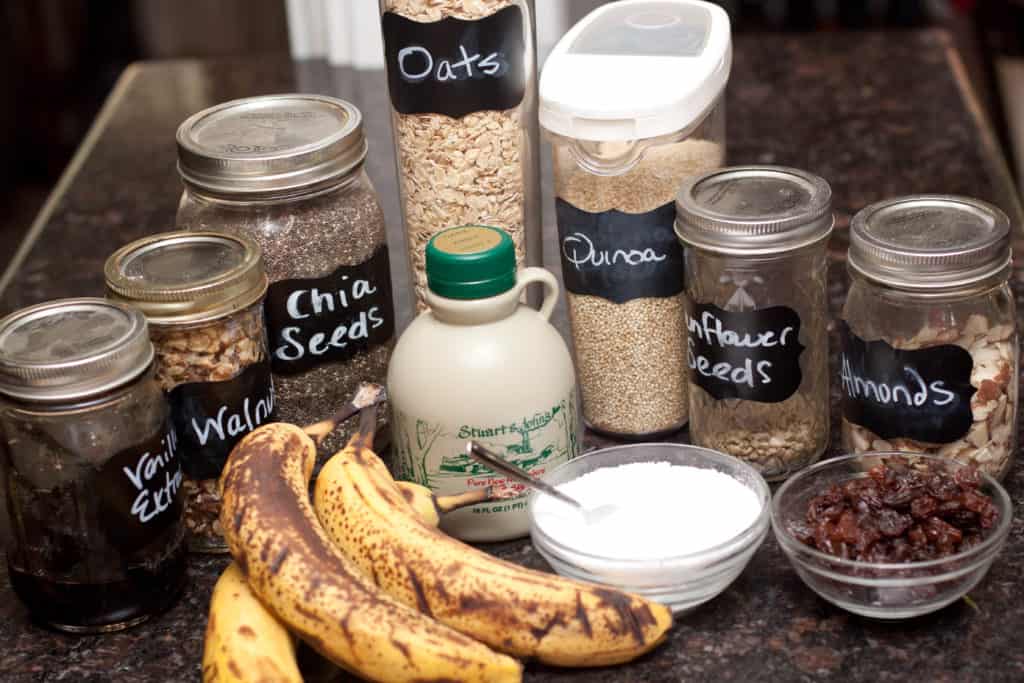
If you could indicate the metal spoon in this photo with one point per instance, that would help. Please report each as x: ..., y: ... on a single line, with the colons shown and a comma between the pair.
x: 488, y: 457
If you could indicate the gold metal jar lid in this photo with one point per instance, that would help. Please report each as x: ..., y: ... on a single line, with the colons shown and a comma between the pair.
x: 271, y: 144
x: 185, y: 278
x: 71, y: 349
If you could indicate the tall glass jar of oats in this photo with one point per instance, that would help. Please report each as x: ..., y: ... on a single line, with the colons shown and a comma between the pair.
x: 930, y: 354
x: 202, y: 294
x: 755, y: 240
x: 462, y: 78
x: 618, y: 165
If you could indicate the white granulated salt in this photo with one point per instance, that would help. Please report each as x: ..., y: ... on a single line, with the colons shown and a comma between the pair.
x: 661, y: 511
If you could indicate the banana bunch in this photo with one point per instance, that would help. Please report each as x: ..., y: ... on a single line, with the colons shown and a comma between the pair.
x: 366, y: 579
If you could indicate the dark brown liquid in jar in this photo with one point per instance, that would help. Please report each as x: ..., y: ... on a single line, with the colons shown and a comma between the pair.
x: 98, y: 542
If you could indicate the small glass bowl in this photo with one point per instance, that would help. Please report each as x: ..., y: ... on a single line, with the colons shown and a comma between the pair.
x: 682, y: 582
x: 884, y: 590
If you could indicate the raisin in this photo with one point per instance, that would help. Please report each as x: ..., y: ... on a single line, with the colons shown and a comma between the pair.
x: 898, y: 515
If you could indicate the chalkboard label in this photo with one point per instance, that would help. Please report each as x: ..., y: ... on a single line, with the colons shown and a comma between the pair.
x: 750, y: 355
x: 138, y: 491
x: 311, y: 322
x: 211, y: 417
x: 620, y: 256
x: 923, y: 394
x: 455, y: 66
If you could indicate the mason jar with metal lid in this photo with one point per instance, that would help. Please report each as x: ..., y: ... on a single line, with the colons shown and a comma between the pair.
x: 203, y: 295
x: 755, y: 241
x: 929, y: 332
x: 91, y: 471
x: 287, y: 171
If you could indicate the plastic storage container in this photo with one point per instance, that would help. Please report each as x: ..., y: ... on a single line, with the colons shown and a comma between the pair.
x: 755, y: 241
x: 930, y: 346
x: 90, y: 466
x: 462, y: 79
x: 481, y: 365
x: 202, y: 294
x: 619, y: 162
x: 287, y: 171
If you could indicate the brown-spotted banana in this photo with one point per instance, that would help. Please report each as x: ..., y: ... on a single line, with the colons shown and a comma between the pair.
x: 430, y: 507
x: 511, y: 608
x: 321, y: 596
x: 244, y: 642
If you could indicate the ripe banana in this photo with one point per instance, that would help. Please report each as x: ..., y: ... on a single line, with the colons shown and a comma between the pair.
x: 244, y: 642
x: 430, y: 507
x: 511, y: 608
x: 292, y: 566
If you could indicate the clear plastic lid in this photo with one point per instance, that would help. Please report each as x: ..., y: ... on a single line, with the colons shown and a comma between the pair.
x: 636, y: 69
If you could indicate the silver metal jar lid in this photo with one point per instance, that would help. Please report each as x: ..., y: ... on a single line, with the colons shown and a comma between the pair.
x: 271, y: 144
x: 754, y: 210
x: 185, y: 278
x: 71, y: 349
x: 930, y: 242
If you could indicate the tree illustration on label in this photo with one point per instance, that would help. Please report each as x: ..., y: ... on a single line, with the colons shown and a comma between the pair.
x: 750, y: 355
x: 620, y: 256
x: 330, y: 319
x: 921, y: 394
x: 455, y: 66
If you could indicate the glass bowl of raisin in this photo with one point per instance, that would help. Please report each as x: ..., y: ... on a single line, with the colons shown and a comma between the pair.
x: 891, y: 535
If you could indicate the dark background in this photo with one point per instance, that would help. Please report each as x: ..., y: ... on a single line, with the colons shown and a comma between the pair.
x: 61, y: 58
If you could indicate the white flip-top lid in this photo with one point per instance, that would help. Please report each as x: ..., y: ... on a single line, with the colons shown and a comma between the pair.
x: 636, y: 69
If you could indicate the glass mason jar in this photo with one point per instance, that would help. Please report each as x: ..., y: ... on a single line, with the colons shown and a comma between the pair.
x: 91, y: 472
x: 618, y: 164
x: 756, y: 239
x: 930, y: 348
x: 462, y: 79
x: 287, y: 171
x: 202, y: 293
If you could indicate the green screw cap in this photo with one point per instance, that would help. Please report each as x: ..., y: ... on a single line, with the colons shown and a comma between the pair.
x: 471, y: 262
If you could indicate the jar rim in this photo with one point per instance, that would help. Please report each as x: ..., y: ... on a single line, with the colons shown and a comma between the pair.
x: 71, y: 349
x: 184, y: 277
x: 281, y: 143
x: 930, y: 241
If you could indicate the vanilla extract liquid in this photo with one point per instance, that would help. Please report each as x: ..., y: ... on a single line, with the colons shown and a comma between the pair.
x: 104, y: 546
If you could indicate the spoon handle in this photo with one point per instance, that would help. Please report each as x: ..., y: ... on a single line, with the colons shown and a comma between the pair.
x: 496, y: 462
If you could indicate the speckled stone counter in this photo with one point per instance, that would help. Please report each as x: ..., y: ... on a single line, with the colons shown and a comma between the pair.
x: 876, y: 114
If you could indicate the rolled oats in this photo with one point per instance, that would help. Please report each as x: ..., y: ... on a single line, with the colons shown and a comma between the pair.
x: 459, y: 171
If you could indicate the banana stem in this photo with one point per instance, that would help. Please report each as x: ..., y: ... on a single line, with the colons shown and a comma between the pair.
x: 367, y: 395
x: 461, y: 500
x: 367, y: 428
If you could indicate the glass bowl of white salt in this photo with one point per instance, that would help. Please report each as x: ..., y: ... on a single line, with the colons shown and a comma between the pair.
x: 684, y: 524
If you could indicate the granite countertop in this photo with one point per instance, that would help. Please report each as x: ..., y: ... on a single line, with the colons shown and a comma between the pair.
x: 877, y: 114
